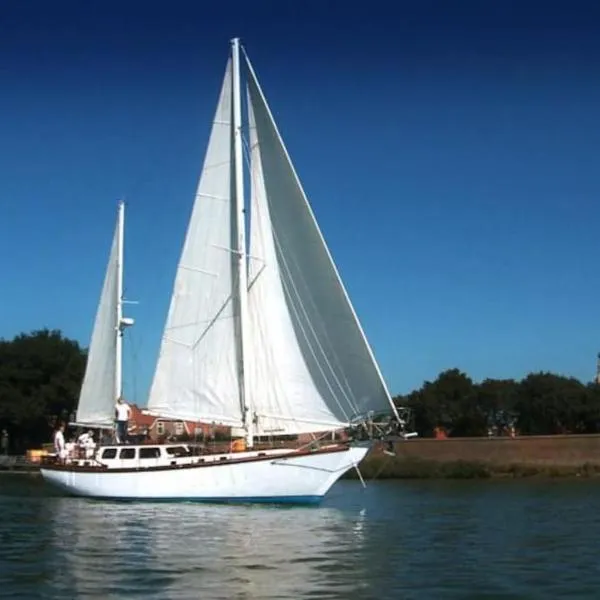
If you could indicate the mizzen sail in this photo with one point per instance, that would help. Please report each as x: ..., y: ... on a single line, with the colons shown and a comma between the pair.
x: 98, y: 392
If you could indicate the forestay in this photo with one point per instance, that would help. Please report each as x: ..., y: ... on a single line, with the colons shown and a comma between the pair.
x: 312, y: 368
x: 196, y: 375
x: 97, y: 397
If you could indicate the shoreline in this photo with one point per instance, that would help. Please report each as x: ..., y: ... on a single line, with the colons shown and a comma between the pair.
x: 390, y: 468
x: 559, y: 456
x: 387, y: 468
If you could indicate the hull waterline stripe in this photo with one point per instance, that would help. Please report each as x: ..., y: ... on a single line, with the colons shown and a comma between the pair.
x: 288, y: 500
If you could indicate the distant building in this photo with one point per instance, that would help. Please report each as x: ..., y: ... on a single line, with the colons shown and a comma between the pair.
x: 159, y: 429
x: 598, y: 369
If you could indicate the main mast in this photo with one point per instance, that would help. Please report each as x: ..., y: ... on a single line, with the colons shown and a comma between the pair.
x: 241, y: 240
x: 122, y: 322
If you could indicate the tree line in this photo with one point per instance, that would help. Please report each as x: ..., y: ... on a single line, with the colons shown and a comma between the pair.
x: 41, y: 374
x: 40, y: 377
x: 539, y: 404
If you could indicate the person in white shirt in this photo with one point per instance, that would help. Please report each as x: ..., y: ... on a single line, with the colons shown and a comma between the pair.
x: 59, y: 443
x: 122, y: 413
x: 86, y: 444
x: 70, y: 448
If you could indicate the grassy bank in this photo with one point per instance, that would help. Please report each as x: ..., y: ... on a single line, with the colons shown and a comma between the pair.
x: 377, y: 466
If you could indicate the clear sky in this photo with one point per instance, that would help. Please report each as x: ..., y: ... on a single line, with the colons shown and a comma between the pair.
x: 449, y: 150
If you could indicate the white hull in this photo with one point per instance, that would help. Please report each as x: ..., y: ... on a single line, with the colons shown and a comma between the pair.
x: 291, y: 478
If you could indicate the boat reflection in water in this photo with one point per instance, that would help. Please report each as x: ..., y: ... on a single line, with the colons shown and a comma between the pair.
x: 192, y: 551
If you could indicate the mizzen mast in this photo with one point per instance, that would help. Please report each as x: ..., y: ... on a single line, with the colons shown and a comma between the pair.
x: 122, y: 322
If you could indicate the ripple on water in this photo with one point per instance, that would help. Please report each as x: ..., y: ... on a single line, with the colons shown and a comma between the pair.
x: 395, y: 540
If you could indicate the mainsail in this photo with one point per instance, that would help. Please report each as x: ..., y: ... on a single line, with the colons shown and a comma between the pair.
x: 98, y: 392
x: 196, y: 376
x: 313, y: 368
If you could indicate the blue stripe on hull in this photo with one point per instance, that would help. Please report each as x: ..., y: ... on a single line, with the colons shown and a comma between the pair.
x: 305, y: 500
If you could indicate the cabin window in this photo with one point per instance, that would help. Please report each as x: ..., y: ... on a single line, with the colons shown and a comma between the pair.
x: 179, y: 428
x: 127, y: 453
x: 178, y: 451
x: 149, y: 453
x: 160, y: 428
x: 109, y: 453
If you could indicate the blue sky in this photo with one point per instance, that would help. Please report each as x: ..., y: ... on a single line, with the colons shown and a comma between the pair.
x: 449, y: 153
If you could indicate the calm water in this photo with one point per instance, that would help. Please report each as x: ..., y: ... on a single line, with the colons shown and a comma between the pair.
x: 488, y: 539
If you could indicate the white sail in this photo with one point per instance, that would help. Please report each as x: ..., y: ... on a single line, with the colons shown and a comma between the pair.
x: 97, y: 397
x: 313, y: 369
x: 281, y: 384
x: 196, y: 376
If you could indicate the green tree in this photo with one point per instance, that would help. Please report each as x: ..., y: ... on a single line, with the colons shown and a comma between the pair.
x: 549, y: 404
x: 449, y: 402
x: 589, y: 415
x: 497, y: 399
x: 540, y: 404
x: 40, y: 378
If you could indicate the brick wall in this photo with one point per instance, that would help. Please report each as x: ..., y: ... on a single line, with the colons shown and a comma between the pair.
x: 559, y: 450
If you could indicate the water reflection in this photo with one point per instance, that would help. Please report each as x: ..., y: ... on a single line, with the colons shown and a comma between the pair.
x: 187, y: 550
x: 486, y: 539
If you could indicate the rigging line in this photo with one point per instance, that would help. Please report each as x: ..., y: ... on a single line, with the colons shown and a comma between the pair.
x: 262, y: 335
x: 259, y: 191
x: 330, y: 425
x: 258, y: 188
x: 211, y: 322
x: 281, y: 146
x: 384, y: 463
x: 247, y: 154
x: 134, y: 364
x: 291, y: 305
x: 346, y: 388
x: 289, y: 278
x: 258, y: 197
x: 316, y: 439
x: 306, y: 337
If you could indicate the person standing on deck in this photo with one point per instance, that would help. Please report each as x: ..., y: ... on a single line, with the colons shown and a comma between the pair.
x: 122, y: 413
x: 86, y: 444
x: 59, y: 443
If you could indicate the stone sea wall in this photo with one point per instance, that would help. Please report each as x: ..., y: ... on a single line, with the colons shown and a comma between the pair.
x: 558, y: 455
x: 554, y: 450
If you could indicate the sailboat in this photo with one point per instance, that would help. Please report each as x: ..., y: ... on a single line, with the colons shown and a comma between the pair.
x: 259, y: 336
